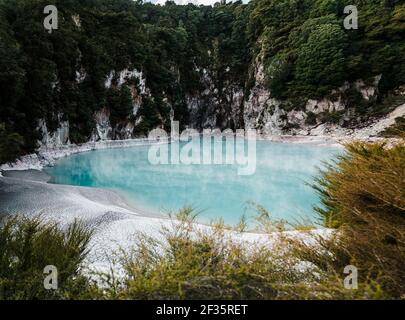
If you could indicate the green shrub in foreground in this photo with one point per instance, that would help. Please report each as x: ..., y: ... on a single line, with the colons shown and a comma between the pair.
x: 27, y: 245
x: 363, y: 195
x: 193, y: 264
x: 190, y: 263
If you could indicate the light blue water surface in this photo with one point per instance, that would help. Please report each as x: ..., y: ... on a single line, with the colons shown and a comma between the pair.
x: 280, y: 183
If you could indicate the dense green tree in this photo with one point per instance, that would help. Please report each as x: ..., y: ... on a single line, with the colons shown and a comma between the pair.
x: 120, y: 103
x: 321, y: 61
x: 11, y: 145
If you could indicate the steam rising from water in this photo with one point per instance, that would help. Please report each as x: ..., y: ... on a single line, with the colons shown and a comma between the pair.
x: 279, y: 183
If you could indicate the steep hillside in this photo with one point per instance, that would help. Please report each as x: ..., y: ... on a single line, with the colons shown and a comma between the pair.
x: 115, y: 69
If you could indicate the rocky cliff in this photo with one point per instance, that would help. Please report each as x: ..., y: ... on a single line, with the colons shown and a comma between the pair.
x: 234, y: 107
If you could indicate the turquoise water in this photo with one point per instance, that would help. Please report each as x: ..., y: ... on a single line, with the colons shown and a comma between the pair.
x: 279, y: 183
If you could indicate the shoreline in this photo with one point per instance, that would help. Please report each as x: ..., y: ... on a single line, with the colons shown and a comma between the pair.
x: 29, y: 168
x: 48, y: 155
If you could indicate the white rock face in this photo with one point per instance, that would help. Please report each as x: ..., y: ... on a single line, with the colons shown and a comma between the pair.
x: 236, y: 99
x: 296, y: 116
x: 103, y: 125
x: 121, y: 77
x: 125, y: 132
x: 224, y: 108
x: 58, y: 137
x: 80, y: 75
x: 104, y: 130
x: 368, y: 92
x: 324, y: 105
x: 76, y: 20
x: 261, y: 111
x: 203, y: 106
x: 264, y: 113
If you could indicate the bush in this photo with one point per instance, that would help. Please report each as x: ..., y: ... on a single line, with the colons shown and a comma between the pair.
x: 191, y: 263
x: 331, y: 117
x: 363, y: 196
x: 311, y: 119
x: 10, y: 145
x: 27, y: 246
x: 321, y: 61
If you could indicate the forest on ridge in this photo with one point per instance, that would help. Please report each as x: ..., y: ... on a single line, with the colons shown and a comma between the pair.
x: 302, y: 44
